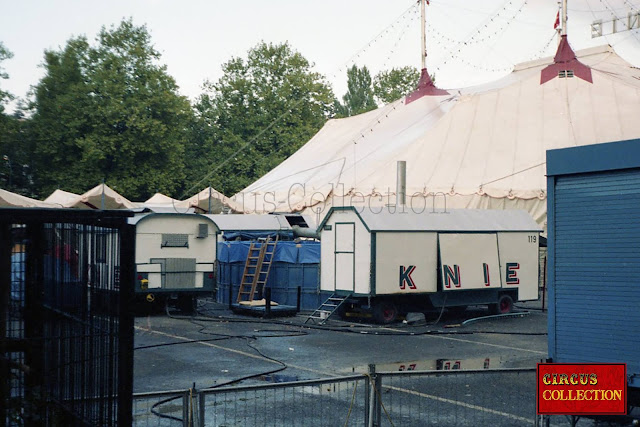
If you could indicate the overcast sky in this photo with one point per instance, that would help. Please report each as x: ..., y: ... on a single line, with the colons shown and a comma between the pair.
x: 195, y: 37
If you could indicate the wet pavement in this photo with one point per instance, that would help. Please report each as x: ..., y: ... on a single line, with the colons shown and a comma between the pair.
x: 216, y: 346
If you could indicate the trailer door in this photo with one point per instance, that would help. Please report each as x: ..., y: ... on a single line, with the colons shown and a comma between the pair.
x: 469, y: 261
x: 345, y: 237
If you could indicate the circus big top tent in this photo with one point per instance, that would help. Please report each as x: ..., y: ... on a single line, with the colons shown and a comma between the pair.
x: 480, y: 147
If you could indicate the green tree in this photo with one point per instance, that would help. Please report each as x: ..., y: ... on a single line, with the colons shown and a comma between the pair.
x: 393, y: 84
x: 11, y: 162
x: 359, y: 96
x: 4, y: 55
x: 257, y: 114
x: 16, y: 153
x: 109, y: 112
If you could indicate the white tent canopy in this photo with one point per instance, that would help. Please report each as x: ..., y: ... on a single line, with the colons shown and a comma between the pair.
x: 62, y: 198
x: 480, y: 147
x: 212, y: 201
x: 13, y: 200
x: 165, y: 203
x: 101, y: 197
x: 160, y: 199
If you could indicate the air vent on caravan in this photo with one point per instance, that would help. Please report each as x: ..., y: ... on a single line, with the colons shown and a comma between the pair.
x: 203, y: 231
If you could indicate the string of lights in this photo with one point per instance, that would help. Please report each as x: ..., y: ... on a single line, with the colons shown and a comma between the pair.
x: 631, y: 5
x: 615, y: 17
x: 506, y: 23
x: 483, y: 68
x: 403, y: 32
x: 454, y: 54
x: 613, y: 14
x: 396, y: 23
x: 575, y: 9
x: 375, y: 122
x: 478, y: 35
x: 543, y: 52
x: 441, y: 39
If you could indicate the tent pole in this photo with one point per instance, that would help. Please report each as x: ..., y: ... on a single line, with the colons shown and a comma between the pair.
x: 102, y: 198
x: 564, y: 17
x: 424, y: 34
x: 209, y: 210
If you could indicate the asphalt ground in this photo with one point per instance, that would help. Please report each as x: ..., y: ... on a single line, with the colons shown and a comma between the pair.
x: 216, y: 347
x: 228, y: 346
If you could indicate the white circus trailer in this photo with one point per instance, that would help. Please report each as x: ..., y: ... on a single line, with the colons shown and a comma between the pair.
x: 393, y: 261
x: 175, y: 257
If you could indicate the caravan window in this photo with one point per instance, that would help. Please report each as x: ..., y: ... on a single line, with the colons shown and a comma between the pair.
x: 175, y: 241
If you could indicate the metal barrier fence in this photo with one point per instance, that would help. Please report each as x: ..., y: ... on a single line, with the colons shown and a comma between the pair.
x: 504, y: 397
x: 66, y: 326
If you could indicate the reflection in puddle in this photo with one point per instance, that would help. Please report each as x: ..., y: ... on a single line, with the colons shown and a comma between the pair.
x: 435, y: 365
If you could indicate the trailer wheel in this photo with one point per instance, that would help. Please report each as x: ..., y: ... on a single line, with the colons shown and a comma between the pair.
x: 504, y: 305
x: 385, y: 312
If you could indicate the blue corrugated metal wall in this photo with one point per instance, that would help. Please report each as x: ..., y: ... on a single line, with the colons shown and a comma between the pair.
x: 594, y: 225
x: 295, y: 265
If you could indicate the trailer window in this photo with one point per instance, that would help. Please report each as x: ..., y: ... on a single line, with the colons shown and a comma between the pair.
x: 175, y: 241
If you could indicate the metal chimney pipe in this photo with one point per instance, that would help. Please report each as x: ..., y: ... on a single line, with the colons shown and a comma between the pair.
x: 401, y: 183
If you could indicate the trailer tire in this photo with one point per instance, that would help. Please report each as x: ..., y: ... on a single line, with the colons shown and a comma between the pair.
x: 503, y: 306
x: 385, y: 312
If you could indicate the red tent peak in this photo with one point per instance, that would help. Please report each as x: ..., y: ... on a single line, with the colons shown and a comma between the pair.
x: 564, y: 53
x: 565, y: 65
x: 425, y: 88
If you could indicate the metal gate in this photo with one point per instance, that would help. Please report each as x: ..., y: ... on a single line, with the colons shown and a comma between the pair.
x: 491, y: 397
x: 66, y: 288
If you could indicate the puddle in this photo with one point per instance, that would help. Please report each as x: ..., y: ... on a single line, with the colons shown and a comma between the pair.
x: 478, y: 363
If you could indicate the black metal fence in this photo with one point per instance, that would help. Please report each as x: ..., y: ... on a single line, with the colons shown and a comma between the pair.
x: 501, y: 397
x: 66, y: 290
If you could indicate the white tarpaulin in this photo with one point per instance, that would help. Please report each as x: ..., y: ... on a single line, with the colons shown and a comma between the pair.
x: 480, y: 147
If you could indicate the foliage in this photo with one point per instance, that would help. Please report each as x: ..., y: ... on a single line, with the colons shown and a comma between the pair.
x: 391, y: 85
x: 359, y: 96
x: 14, y: 170
x: 16, y: 148
x: 109, y: 112
x: 257, y: 114
x: 4, y: 55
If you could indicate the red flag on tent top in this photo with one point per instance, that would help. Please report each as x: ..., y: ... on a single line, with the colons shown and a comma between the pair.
x: 557, y: 23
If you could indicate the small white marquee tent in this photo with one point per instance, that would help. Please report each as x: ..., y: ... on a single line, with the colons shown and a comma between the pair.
x: 101, y: 197
x: 13, y: 200
x: 212, y: 201
x: 62, y: 198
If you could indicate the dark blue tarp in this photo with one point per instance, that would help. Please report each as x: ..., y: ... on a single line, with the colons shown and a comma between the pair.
x: 305, y: 252
x: 296, y: 265
x: 309, y: 253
